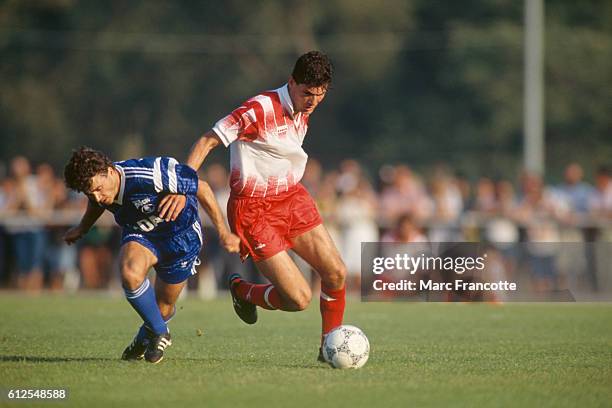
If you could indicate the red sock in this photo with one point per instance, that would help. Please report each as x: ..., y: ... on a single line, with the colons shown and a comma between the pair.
x: 265, y: 296
x: 332, y: 307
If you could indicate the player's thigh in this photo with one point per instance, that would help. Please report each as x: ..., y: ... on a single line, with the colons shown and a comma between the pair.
x: 284, y: 274
x: 135, y: 260
x: 318, y: 249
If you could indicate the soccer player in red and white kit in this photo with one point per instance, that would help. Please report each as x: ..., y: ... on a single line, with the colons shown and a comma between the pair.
x: 269, y: 209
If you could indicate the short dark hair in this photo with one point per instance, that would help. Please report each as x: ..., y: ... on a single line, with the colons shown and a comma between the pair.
x: 604, y: 170
x: 313, y: 69
x: 85, y: 164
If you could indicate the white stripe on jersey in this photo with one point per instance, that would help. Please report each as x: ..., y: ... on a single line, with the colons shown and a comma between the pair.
x: 268, y: 109
x: 150, y: 173
x: 144, y: 176
x: 157, y: 176
x: 172, y: 174
x: 266, y: 190
x: 138, y: 171
x: 244, y: 184
x: 147, y: 169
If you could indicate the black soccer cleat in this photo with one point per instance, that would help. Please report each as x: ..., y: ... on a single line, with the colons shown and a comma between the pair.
x: 136, y: 350
x: 245, y: 310
x: 155, y: 350
x: 320, y: 358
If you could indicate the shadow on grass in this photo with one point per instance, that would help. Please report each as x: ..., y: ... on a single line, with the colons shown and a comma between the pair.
x: 38, y: 359
x: 246, y: 363
x: 214, y: 361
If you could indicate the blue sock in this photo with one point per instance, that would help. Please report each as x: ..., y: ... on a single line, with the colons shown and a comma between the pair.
x: 143, y: 301
x: 145, y: 332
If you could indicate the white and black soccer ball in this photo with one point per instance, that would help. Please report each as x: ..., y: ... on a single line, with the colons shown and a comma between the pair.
x: 346, y: 347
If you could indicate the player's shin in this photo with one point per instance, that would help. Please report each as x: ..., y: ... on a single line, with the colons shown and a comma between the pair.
x: 143, y: 301
x: 265, y: 296
x: 332, y: 308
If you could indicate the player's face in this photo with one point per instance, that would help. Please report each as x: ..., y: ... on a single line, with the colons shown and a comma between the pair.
x: 104, y: 188
x: 305, y: 98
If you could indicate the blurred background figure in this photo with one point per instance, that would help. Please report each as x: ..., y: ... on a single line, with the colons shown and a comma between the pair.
x: 217, y: 263
x: 540, y: 209
x: 601, y: 201
x: 447, y: 198
x: 28, y: 237
x: 447, y: 207
x: 486, y: 199
x: 59, y: 259
x: 96, y: 257
x: 577, y: 193
x: 406, y: 231
x: 505, y: 198
x: 356, y: 215
x: 403, y: 192
x: 313, y: 176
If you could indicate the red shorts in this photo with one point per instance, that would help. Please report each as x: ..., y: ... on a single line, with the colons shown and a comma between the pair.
x: 266, y: 225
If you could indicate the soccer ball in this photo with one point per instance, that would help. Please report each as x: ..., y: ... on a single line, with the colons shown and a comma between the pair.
x: 346, y: 347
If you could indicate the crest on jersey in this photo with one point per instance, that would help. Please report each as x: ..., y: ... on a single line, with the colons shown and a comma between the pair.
x: 145, y: 205
x: 281, y: 131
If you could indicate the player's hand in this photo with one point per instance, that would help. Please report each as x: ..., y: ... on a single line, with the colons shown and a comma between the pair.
x: 171, y: 206
x: 73, y: 235
x: 230, y: 242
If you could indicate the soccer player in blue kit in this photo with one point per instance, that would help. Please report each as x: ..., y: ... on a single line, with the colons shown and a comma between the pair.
x: 169, y: 241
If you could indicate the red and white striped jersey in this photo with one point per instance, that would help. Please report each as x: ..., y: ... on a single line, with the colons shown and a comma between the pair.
x: 265, y: 138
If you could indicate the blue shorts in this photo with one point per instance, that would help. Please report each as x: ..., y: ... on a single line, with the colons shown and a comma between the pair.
x: 177, y: 255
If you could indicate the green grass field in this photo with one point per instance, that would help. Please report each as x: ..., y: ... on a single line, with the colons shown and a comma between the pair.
x: 422, y: 355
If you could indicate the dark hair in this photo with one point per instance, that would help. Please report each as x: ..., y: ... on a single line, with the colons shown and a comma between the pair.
x: 604, y: 170
x: 313, y: 69
x: 85, y: 164
x: 404, y: 218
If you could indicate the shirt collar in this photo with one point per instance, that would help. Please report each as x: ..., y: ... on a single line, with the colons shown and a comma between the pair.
x: 283, y: 92
x: 119, y: 199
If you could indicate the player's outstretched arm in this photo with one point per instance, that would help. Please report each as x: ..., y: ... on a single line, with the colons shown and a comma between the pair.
x: 201, y: 148
x: 90, y: 217
x: 207, y: 200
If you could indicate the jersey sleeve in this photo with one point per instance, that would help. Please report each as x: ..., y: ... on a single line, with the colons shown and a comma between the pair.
x: 241, y: 124
x: 172, y: 177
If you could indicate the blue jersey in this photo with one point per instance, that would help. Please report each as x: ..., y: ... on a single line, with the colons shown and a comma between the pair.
x: 144, y: 182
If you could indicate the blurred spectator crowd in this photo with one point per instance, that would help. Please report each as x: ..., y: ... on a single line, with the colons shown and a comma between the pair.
x: 395, y: 205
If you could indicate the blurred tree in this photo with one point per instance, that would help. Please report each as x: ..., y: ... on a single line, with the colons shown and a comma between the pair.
x: 417, y: 82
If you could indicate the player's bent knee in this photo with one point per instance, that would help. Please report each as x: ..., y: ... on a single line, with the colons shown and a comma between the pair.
x: 303, y: 303
x: 299, y: 301
x: 131, y: 276
x: 335, y: 277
